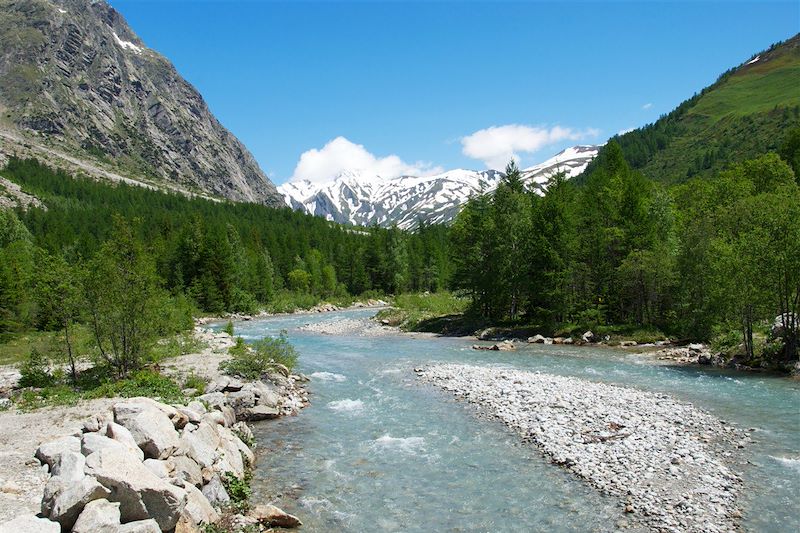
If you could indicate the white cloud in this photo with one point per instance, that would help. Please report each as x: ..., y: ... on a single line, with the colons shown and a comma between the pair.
x: 648, y: 105
x: 324, y: 164
x: 497, y: 145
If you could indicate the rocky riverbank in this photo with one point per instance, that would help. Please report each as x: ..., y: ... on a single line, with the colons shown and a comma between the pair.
x: 319, y: 308
x: 665, y: 460
x: 139, y: 465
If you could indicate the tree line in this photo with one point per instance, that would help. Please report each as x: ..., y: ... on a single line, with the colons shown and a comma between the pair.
x: 133, y: 263
x: 696, y: 260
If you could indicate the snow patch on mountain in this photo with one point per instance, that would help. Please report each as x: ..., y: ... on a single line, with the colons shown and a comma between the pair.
x: 365, y: 199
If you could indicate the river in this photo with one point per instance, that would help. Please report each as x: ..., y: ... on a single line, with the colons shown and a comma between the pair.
x: 378, y: 451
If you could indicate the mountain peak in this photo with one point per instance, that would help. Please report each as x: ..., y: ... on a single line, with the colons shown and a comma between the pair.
x: 364, y: 199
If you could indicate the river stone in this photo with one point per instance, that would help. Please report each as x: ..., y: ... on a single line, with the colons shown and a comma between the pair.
x: 140, y: 526
x: 179, y: 419
x: 64, y: 499
x: 121, y: 434
x: 50, y: 450
x: 141, y: 493
x: 187, y: 469
x: 30, y: 524
x: 215, y: 492
x: 202, y: 443
x: 536, y: 339
x: 99, y: 516
x: 266, y: 394
x: 271, y: 516
x: 241, y: 400
x: 261, y: 412
x: 69, y: 466
x: 151, y: 427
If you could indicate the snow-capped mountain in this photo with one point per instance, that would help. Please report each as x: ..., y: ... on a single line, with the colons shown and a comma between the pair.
x: 363, y: 200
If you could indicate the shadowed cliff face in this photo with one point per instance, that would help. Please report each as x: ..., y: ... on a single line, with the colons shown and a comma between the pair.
x: 75, y: 76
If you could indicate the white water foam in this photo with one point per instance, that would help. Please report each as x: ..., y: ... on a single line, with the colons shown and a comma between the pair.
x: 789, y: 462
x: 405, y: 445
x: 328, y: 376
x: 347, y: 406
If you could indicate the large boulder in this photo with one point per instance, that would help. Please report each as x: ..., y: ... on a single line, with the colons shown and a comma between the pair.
x: 93, y: 442
x: 30, y: 524
x: 64, y: 499
x: 202, y: 443
x: 271, y: 516
x: 187, y: 470
x: 261, y: 412
x: 150, y: 425
x: 242, y: 400
x: 198, y: 508
x: 99, y: 516
x: 140, y: 492
x: 215, y: 492
x: 50, y: 450
x: 69, y: 466
x: 229, y: 458
x: 121, y: 434
x: 266, y: 394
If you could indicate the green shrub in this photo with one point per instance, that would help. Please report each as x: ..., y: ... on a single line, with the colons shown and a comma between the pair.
x: 239, y: 490
x: 35, y: 370
x: 250, y: 362
x: 147, y: 383
x: 228, y: 328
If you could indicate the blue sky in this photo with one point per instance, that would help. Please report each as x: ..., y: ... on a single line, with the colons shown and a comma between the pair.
x: 400, y: 87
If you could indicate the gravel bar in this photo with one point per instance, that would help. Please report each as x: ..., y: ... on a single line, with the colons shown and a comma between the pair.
x: 661, y: 457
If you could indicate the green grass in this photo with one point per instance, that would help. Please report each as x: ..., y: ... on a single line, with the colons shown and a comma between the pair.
x: 755, y: 89
x: 16, y: 349
x: 409, y: 311
x: 99, y: 383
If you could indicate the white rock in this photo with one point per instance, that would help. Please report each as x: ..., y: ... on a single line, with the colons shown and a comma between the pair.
x: 64, y: 499
x: 48, y: 451
x: 151, y: 426
x: 140, y: 492
x: 99, y: 516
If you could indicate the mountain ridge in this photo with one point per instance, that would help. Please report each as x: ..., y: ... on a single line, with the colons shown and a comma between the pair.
x: 77, y: 80
x: 363, y: 199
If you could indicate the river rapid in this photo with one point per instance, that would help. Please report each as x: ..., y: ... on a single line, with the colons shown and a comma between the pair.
x: 379, y: 451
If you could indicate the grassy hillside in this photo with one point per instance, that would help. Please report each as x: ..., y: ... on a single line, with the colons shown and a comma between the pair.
x: 746, y: 112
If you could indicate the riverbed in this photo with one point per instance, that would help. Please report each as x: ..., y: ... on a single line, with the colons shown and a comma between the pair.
x: 379, y: 450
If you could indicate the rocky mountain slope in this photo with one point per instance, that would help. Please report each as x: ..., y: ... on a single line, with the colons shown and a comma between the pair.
x: 359, y: 199
x: 78, y: 85
x: 745, y: 113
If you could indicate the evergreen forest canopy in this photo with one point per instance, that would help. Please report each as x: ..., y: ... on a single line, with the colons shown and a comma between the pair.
x: 698, y: 260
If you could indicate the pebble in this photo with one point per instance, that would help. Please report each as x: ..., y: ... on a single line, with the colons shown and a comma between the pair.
x: 625, y: 442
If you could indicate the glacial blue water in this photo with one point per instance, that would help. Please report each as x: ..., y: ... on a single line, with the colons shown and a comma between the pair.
x: 377, y: 451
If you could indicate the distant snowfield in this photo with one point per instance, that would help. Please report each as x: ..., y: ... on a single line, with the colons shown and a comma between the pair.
x: 367, y: 199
